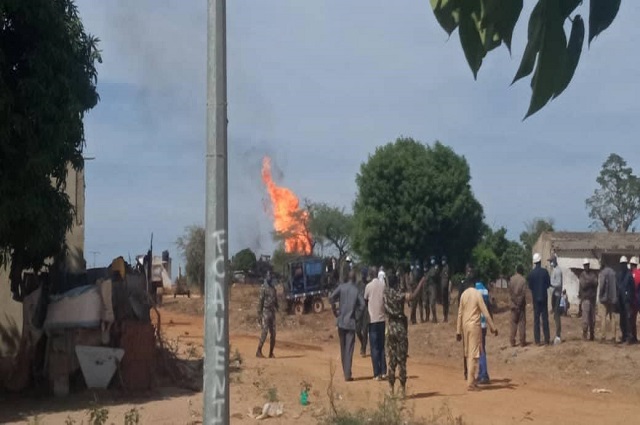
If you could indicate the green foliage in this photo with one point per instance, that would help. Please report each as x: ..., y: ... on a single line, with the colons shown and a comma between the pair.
x: 98, y: 415
x: 413, y: 201
x: 280, y: 258
x: 497, y: 256
x: 332, y: 225
x: 132, y: 417
x: 47, y: 83
x: 191, y: 244
x: 244, y: 260
x: 393, y: 411
x: 615, y: 205
x: 533, y: 230
x: 485, y: 24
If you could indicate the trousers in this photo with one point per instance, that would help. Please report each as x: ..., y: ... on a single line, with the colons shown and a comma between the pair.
x: 347, y: 343
x: 608, y: 319
x: 540, y: 314
x: 588, y: 317
x: 518, y: 325
x: 376, y: 338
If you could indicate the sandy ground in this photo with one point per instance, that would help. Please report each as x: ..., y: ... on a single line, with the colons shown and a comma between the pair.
x: 543, y: 385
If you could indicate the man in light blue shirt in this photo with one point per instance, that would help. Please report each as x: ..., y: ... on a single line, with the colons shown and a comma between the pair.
x: 556, y: 296
x: 483, y: 372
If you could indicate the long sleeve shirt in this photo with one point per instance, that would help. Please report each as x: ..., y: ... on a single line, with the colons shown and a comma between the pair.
x: 517, y: 288
x: 472, y: 307
x: 556, y: 281
x: 351, y: 305
x: 539, y: 281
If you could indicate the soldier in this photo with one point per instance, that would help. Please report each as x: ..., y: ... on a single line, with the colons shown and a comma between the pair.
x: 398, y: 340
x: 445, y: 288
x: 267, y: 307
x: 416, y: 302
x: 430, y: 290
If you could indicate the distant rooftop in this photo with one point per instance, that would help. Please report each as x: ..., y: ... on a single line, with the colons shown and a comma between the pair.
x: 590, y: 241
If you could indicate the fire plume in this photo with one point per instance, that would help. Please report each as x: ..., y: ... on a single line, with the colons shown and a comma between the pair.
x: 288, y: 218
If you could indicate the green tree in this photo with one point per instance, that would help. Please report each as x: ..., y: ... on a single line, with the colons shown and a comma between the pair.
x: 47, y: 83
x: 413, y: 201
x: 484, y: 25
x: 191, y: 245
x: 486, y: 263
x: 331, y: 225
x: 244, y: 260
x: 533, y: 230
x: 615, y: 205
x: 496, y: 255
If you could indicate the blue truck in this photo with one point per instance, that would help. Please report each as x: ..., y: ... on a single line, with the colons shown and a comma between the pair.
x: 305, y: 285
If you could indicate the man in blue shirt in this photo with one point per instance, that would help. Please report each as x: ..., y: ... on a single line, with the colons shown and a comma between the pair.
x: 483, y: 372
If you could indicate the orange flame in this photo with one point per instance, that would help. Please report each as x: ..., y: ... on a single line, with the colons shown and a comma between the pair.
x: 287, y: 216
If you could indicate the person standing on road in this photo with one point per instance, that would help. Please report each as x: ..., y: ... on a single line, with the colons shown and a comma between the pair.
x: 587, y: 292
x: 539, y: 281
x: 483, y: 370
x: 267, y: 307
x: 469, y: 330
x: 517, y: 294
x: 430, y: 291
x: 350, y: 305
x: 556, y: 296
x: 445, y: 288
x: 626, y: 290
x: 608, y: 297
x: 635, y: 274
x: 374, y: 297
x: 416, y: 303
x: 362, y: 322
x: 394, y: 300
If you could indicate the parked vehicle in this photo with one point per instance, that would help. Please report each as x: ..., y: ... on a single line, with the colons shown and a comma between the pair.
x: 305, y: 285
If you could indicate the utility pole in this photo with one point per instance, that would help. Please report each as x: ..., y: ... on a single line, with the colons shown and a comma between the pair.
x: 216, y: 320
x: 94, y: 257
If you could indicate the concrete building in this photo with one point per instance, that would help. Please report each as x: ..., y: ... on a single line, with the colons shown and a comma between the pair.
x: 10, y: 310
x: 572, y: 247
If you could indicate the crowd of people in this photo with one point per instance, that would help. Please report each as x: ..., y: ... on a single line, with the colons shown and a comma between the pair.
x: 371, y: 309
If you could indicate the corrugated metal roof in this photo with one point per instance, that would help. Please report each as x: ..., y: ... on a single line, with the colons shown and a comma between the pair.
x: 593, y: 241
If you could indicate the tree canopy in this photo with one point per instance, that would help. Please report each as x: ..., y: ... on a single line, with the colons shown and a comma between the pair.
x: 615, y: 205
x: 484, y: 25
x: 497, y: 256
x: 191, y: 245
x: 329, y: 224
x: 533, y: 230
x: 47, y: 83
x: 244, y: 260
x: 413, y: 201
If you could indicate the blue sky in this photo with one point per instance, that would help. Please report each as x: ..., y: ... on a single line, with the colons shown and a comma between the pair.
x: 318, y: 85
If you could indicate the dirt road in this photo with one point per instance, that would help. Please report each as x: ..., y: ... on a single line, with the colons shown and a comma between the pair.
x: 543, y: 385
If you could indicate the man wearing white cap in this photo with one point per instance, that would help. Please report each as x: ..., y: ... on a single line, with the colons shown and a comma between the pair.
x: 539, y: 282
x: 588, y: 291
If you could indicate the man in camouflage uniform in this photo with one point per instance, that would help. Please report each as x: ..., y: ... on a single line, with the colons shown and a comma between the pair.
x: 445, y: 289
x: 267, y: 307
x: 397, y: 337
x: 430, y: 290
x: 416, y: 303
